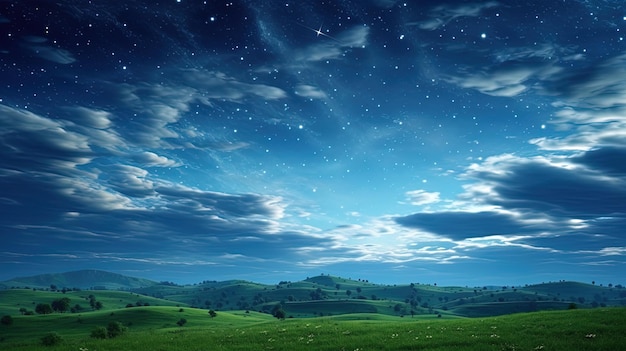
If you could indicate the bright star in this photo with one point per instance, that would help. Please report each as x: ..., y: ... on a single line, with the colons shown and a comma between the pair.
x: 319, y: 32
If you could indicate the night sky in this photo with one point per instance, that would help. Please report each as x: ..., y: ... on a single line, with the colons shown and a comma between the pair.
x: 448, y: 142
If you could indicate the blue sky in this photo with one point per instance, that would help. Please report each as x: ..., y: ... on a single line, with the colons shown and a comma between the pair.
x: 449, y: 142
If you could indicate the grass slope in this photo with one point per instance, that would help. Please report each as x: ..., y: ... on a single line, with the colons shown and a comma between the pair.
x: 12, y: 300
x: 152, y: 328
x: 330, y: 295
x: 83, y: 279
x: 302, y: 299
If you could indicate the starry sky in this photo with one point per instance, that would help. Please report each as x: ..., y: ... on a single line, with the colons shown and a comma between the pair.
x: 449, y: 142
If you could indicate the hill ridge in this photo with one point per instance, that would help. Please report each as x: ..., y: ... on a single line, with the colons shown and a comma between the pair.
x: 83, y: 279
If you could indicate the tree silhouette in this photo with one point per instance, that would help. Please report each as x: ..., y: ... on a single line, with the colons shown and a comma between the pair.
x: 43, y: 308
x: 61, y: 305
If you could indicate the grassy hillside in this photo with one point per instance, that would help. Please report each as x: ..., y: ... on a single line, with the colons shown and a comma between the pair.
x: 12, y: 300
x: 83, y: 279
x: 328, y: 295
x: 154, y: 328
x: 324, y: 295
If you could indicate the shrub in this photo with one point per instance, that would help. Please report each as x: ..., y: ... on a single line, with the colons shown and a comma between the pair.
x: 115, y: 329
x: 181, y: 322
x: 51, y: 339
x: 99, y: 333
x: 6, y: 320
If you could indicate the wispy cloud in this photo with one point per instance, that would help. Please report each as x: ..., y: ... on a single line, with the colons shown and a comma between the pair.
x: 443, y: 14
x: 47, y: 52
x: 334, y: 48
x: 310, y: 91
x: 422, y: 197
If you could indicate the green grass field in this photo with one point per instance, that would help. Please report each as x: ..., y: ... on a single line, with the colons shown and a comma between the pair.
x: 154, y: 328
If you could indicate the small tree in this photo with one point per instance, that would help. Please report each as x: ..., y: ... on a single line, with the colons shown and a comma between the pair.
x: 99, y: 333
x: 115, y: 329
x: 181, y: 322
x: 278, y: 312
x: 212, y: 313
x: 43, y: 308
x: 61, y: 305
x: 51, y: 339
x: 6, y: 320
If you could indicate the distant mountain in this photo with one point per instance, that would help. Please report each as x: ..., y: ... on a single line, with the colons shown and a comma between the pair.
x: 83, y: 279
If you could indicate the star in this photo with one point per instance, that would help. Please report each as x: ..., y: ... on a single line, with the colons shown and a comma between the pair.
x: 319, y: 32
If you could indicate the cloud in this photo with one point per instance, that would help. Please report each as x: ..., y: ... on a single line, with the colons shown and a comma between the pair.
x: 462, y: 225
x: 333, y: 48
x: 158, y: 107
x: 538, y: 52
x: 422, y: 197
x: 552, y: 186
x: 443, y: 14
x: 40, y: 144
x: 222, y: 204
x: 387, y: 4
x: 508, y: 79
x: 218, y: 85
x: 310, y: 91
x: 598, y: 86
x: 606, y: 160
x: 88, y: 117
x: 129, y: 180
x: 592, y: 107
x: 150, y: 159
x: 54, y: 54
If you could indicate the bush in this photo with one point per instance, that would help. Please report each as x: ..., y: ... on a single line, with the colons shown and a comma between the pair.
x: 181, y: 322
x: 115, y: 329
x: 51, y: 339
x: 99, y: 333
x: 6, y: 320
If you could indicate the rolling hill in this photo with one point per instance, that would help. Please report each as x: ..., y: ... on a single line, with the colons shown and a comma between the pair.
x: 83, y: 279
x: 327, y: 295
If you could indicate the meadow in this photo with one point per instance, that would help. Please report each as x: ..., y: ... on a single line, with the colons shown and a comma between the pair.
x: 322, y: 313
x: 155, y: 329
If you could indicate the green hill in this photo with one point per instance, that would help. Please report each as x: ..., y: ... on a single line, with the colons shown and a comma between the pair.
x: 156, y: 328
x: 83, y: 279
x: 20, y: 301
x: 329, y: 295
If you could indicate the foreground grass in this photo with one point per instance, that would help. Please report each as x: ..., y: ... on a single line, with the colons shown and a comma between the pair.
x: 597, y: 329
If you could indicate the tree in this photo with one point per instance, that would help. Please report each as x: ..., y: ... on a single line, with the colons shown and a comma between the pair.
x: 115, y: 329
x: 51, y: 339
x: 23, y: 310
x: 278, y: 312
x: 212, y: 313
x: 61, y: 305
x: 43, y: 308
x: 6, y: 320
x: 99, y: 333
x: 181, y: 322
